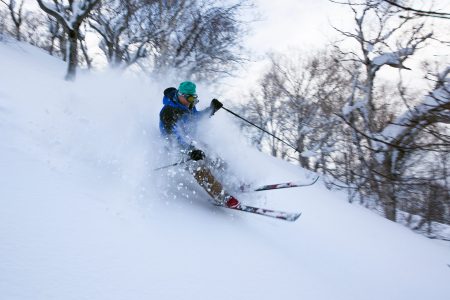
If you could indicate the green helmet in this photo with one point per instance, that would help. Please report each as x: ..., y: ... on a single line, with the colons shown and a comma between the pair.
x: 187, y: 88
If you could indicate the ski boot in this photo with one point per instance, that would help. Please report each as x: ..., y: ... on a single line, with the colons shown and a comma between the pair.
x: 227, y: 201
x: 231, y: 202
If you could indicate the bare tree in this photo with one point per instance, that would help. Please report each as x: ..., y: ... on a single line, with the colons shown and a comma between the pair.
x: 16, y: 13
x: 26, y: 25
x: 70, y: 15
x: 124, y: 38
x: 34, y: 29
x: 206, y: 44
x: 265, y: 109
x: 295, y: 100
x: 3, y: 25
x: 57, y: 39
x: 198, y: 38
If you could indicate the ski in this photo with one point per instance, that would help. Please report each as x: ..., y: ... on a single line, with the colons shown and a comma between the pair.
x: 280, y: 186
x: 282, y: 215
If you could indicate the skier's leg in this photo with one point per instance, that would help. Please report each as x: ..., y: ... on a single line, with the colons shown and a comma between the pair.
x: 213, y: 187
x: 208, y: 182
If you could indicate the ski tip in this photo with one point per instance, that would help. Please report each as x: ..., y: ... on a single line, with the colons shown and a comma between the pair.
x: 295, y: 217
x: 291, y: 217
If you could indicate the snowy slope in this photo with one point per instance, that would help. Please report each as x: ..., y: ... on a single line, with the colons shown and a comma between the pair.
x: 83, y: 216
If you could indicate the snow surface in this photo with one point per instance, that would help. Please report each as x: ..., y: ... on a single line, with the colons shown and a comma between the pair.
x: 83, y: 216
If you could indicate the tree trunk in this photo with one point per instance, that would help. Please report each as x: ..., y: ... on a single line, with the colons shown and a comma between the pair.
x: 18, y: 35
x: 386, y: 186
x: 390, y: 203
x: 72, y: 61
x: 304, y: 161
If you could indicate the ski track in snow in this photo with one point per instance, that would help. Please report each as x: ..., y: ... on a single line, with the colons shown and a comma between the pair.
x: 83, y: 216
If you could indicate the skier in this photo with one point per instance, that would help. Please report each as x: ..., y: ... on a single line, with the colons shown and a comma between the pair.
x: 178, y: 119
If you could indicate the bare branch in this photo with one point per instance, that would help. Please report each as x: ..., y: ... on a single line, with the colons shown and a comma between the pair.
x: 425, y: 13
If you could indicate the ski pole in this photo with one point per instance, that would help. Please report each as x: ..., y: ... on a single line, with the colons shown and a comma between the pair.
x: 262, y: 129
x: 172, y: 165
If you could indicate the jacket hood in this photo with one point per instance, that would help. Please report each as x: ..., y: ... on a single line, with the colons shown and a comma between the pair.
x: 169, y: 96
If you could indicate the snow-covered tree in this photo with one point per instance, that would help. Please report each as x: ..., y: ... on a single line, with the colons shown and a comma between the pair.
x: 403, y: 138
x: 199, y: 38
x: 123, y: 35
x: 385, y: 41
x: 203, y: 41
x: 380, y: 138
x: 70, y: 14
x: 16, y: 14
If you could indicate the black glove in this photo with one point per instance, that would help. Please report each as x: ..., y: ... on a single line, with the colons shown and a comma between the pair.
x: 215, y: 106
x: 196, y: 154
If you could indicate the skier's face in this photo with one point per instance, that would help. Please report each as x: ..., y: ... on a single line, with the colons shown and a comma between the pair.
x: 188, y: 100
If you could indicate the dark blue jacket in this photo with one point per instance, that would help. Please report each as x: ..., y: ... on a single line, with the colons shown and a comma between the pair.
x: 178, y: 120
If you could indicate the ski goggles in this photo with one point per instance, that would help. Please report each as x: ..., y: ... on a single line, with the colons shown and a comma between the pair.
x: 192, y: 99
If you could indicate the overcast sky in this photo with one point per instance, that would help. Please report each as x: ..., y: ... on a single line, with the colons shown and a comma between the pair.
x: 284, y: 24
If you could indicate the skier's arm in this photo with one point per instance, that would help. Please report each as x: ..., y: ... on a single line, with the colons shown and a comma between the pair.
x: 211, y: 110
x: 187, y: 146
x: 181, y: 138
x: 169, y: 117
